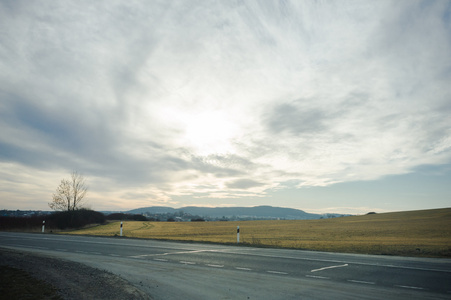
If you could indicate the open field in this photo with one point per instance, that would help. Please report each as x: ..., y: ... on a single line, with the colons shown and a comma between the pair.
x: 412, y: 233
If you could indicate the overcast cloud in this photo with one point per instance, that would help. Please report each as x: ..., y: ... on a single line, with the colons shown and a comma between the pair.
x: 160, y: 101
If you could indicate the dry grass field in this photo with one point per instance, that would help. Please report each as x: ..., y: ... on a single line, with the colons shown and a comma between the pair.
x: 412, y: 233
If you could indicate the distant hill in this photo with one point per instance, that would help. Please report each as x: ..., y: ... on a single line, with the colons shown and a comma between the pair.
x: 257, y: 212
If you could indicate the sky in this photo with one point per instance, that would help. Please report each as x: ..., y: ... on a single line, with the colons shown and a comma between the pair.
x: 324, y: 106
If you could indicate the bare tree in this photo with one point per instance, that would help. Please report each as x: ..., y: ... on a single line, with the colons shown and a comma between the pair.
x: 70, y: 193
x: 63, y: 196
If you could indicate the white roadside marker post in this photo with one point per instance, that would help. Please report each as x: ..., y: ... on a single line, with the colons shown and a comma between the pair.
x: 121, y: 228
x: 43, y: 226
x: 238, y: 234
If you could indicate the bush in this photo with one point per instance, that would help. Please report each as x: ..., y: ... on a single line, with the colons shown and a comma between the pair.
x: 126, y: 217
x: 75, y: 219
x: 22, y: 223
x: 59, y: 220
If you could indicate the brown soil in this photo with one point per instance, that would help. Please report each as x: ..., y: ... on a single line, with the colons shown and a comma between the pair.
x: 30, y: 276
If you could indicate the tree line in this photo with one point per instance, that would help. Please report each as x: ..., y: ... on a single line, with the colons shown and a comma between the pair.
x: 67, y: 201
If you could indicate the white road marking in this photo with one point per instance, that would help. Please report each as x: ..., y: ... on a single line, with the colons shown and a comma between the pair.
x: 231, y: 251
x: 115, y: 255
x: 160, y: 259
x: 96, y: 253
x: 187, y: 262
x: 183, y: 252
x: 139, y: 256
x: 244, y: 269
x: 61, y: 249
x: 78, y: 251
x: 338, y: 261
x: 331, y: 267
x: 318, y: 277
x: 215, y: 266
x: 360, y: 281
x: 410, y: 287
x: 170, y: 253
x: 277, y: 272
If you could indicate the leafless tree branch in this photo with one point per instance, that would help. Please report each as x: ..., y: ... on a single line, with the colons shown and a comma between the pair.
x: 70, y: 193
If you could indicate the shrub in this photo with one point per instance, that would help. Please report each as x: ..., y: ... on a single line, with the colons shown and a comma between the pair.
x: 126, y: 217
x: 22, y: 223
x: 75, y: 219
x: 60, y: 220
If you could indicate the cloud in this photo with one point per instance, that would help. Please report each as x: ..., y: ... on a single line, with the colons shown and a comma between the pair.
x: 288, y: 117
x: 223, y: 100
x: 244, y: 184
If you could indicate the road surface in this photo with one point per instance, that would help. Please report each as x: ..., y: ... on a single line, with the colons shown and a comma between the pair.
x: 174, y: 270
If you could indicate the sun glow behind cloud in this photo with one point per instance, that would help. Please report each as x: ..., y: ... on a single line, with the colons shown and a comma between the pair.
x: 168, y: 102
x: 208, y: 132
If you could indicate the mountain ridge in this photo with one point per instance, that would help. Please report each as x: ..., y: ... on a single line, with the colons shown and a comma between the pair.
x: 256, y: 212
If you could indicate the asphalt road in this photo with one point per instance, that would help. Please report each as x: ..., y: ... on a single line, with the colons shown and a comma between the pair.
x: 173, y: 270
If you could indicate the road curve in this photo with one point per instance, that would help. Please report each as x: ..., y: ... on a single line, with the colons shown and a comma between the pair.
x: 172, y: 270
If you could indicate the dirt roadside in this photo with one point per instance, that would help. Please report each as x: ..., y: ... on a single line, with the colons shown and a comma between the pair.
x: 71, y: 280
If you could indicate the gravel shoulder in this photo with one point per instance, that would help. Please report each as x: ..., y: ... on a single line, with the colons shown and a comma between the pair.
x: 71, y: 280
